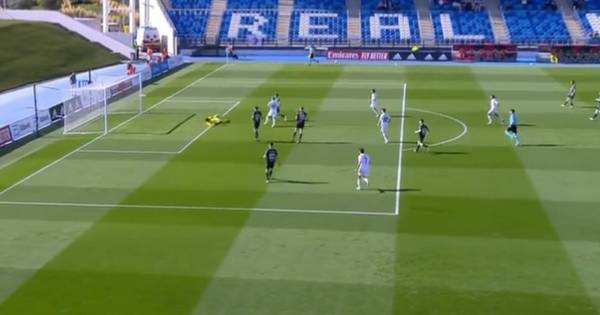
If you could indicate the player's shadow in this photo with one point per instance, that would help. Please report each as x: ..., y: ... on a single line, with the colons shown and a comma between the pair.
x: 542, y: 145
x: 299, y: 182
x: 448, y: 153
x: 392, y: 190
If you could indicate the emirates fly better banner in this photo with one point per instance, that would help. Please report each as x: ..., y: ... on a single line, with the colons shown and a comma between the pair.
x: 405, y: 54
x: 357, y: 55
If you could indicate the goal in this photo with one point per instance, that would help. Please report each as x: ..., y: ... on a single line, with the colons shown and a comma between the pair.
x: 88, y: 109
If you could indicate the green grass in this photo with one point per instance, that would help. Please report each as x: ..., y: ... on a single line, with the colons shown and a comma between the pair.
x: 40, y: 51
x: 483, y: 227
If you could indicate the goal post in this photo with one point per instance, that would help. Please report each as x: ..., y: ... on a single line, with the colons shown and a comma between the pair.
x: 89, y: 108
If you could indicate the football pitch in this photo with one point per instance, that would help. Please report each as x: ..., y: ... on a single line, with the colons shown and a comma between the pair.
x: 165, y: 215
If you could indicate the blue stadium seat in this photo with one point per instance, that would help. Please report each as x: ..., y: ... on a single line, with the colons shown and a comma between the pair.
x: 592, y: 32
x: 465, y: 26
x: 243, y: 33
x: 389, y: 17
x: 534, y: 24
x: 190, y: 4
x: 190, y: 23
x: 252, y: 5
x: 189, y: 18
x: 329, y: 5
x: 328, y: 18
x: 255, y: 22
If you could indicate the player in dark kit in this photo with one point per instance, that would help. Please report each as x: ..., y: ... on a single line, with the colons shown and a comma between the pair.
x: 270, y: 157
x: 256, y: 119
x: 597, y: 111
x: 511, y: 131
x: 422, y: 131
x: 301, y: 117
x: 570, y: 95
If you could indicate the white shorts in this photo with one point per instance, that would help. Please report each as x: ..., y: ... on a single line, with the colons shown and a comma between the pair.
x: 272, y: 114
x: 383, y: 128
x: 363, y: 172
x: 492, y: 112
x: 373, y: 105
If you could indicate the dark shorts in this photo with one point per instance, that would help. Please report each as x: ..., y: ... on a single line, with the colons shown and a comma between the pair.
x: 270, y: 165
x: 256, y: 124
x: 421, y: 137
x: 300, y: 125
x: 512, y: 128
x: 311, y: 56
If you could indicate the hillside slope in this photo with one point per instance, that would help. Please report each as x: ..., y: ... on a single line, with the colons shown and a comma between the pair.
x: 38, y: 51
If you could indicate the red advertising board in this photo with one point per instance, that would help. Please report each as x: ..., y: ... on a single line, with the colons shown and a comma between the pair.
x: 5, y: 136
x: 349, y: 54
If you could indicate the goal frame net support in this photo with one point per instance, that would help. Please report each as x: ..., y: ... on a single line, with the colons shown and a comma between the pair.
x: 87, y: 108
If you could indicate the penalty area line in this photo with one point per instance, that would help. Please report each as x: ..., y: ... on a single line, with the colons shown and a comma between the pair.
x: 185, y: 146
x: 85, y: 145
x: 205, y: 208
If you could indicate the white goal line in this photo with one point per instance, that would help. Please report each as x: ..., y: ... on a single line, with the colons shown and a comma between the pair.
x: 205, y: 208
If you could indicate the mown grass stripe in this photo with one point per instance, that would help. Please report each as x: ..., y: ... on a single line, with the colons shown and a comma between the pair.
x: 202, y: 249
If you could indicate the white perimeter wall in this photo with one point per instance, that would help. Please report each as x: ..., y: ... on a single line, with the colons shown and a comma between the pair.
x: 159, y: 18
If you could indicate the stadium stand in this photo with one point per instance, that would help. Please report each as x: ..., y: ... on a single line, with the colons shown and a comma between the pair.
x: 189, y: 18
x: 190, y: 4
x: 190, y: 24
x: 250, y: 22
x: 395, y: 24
x: 452, y: 27
x: 588, y: 13
x: 319, y: 22
x: 590, y: 21
x: 387, y: 22
x: 535, y: 22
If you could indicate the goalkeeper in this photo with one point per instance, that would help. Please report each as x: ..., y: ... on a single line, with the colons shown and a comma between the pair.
x: 215, y: 120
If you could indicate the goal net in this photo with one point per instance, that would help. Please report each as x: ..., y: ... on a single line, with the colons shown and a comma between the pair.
x: 91, y: 108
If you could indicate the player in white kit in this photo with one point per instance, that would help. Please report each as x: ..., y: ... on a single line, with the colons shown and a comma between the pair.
x: 493, y: 111
x: 383, y: 123
x: 374, y: 102
x: 362, y: 169
x: 279, y: 113
x: 273, y: 106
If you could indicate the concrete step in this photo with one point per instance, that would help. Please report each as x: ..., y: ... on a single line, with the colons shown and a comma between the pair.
x: 215, y: 18
x: 499, y: 28
x: 425, y: 23
x: 285, y: 8
x: 572, y: 21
